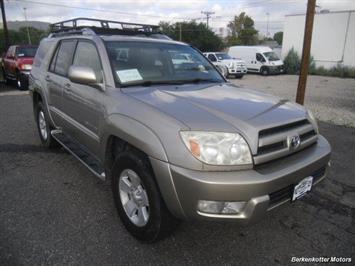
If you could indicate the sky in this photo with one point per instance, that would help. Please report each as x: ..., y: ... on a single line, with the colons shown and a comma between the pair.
x: 153, y: 11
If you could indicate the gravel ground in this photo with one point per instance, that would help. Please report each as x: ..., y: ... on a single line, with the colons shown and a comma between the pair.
x: 330, y: 99
x: 53, y: 211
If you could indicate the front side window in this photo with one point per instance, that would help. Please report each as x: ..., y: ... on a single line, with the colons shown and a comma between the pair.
x: 63, y: 58
x: 212, y: 58
x: 86, y: 55
x: 151, y: 62
x: 271, y: 56
x: 260, y: 58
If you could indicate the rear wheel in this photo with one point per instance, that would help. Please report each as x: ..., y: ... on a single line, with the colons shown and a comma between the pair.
x: 7, y: 81
x: 138, y: 200
x: 44, y: 128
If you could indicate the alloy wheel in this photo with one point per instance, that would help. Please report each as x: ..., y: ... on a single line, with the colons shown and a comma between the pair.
x: 134, y: 197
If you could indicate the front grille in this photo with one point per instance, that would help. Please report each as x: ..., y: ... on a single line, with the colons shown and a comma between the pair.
x: 272, y: 147
x: 286, y: 192
x: 282, y: 128
x: 275, y: 142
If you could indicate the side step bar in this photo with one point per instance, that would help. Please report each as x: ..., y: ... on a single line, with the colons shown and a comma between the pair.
x: 84, y: 157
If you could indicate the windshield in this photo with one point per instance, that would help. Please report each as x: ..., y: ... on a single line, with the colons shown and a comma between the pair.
x: 223, y: 56
x: 26, y: 51
x: 136, y: 63
x: 271, y: 56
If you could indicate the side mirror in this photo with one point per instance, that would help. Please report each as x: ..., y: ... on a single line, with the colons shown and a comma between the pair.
x: 82, y: 75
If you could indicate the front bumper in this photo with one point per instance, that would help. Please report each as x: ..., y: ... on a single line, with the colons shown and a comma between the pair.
x: 277, y: 69
x: 263, y: 188
x: 237, y: 70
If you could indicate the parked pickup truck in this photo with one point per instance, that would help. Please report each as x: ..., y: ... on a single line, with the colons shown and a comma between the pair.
x: 177, y: 141
x: 235, y: 67
x: 17, y: 64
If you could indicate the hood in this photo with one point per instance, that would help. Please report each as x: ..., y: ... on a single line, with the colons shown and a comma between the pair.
x: 219, y: 107
x: 238, y: 61
x: 276, y: 63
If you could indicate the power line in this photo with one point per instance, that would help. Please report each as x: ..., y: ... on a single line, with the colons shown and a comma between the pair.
x: 92, y: 9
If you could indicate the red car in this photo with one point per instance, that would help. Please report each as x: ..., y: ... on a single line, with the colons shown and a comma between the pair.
x: 17, y: 64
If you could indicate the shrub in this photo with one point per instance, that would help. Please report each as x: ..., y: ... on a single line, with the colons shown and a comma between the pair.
x: 292, y: 62
x: 292, y: 65
x: 336, y: 71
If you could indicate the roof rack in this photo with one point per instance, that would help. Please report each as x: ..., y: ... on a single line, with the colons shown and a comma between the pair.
x: 105, y: 27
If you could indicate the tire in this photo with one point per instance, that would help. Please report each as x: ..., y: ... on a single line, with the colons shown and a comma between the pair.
x: 264, y: 71
x: 145, y: 216
x: 7, y: 81
x: 21, y: 83
x: 44, y: 128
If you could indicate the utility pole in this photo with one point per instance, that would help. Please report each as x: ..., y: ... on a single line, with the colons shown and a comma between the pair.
x: 208, y: 15
x: 267, y: 24
x: 180, y: 34
x: 4, y: 23
x: 28, y: 31
x: 307, y: 40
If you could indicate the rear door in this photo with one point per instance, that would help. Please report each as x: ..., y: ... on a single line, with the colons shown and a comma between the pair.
x: 57, y: 79
x: 83, y: 103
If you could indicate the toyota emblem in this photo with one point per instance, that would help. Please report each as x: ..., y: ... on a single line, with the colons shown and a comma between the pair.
x: 295, y: 142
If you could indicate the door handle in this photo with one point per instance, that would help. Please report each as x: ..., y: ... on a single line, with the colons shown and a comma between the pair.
x: 48, y: 78
x: 67, y: 87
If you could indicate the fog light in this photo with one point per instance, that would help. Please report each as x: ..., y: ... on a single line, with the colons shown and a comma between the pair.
x: 220, y: 207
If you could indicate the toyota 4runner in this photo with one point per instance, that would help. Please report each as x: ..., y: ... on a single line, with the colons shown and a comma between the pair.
x: 177, y: 141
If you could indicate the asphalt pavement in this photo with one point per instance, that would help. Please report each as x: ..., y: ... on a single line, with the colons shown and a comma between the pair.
x: 53, y: 211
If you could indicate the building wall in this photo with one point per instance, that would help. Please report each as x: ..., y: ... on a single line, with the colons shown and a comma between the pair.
x: 333, y: 39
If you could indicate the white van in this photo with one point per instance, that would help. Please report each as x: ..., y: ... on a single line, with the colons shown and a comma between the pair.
x: 258, y: 59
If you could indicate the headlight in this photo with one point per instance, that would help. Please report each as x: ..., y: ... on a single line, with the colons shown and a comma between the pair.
x: 26, y: 67
x: 313, y: 120
x: 217, y: 148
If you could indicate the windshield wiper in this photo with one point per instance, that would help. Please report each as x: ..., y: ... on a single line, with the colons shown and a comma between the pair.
x: 148, y: 83
x: 198, y: 80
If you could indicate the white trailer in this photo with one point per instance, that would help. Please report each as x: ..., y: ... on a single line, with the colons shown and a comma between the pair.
x: 333, y: 38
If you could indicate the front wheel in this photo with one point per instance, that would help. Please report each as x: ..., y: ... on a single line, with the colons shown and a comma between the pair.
x: 138, y: 200
x: 21, y: 83
x: 264, y: 71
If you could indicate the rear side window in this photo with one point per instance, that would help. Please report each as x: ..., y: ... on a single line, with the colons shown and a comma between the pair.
x: 63, y: 57
x: 86, y: 55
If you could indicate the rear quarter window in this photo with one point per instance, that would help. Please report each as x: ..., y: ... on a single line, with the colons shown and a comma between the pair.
x: 41, y: 53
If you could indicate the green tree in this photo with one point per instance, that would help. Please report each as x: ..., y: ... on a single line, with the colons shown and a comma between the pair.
x: 196, y: 34
x: 20, y: 37
x: 278, y: 36
x: 242, y: 30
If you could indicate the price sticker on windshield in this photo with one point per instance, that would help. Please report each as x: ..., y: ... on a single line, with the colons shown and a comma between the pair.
x: 129, y: 75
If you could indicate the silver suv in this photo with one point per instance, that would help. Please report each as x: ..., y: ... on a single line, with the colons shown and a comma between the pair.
x: 176, y: 140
